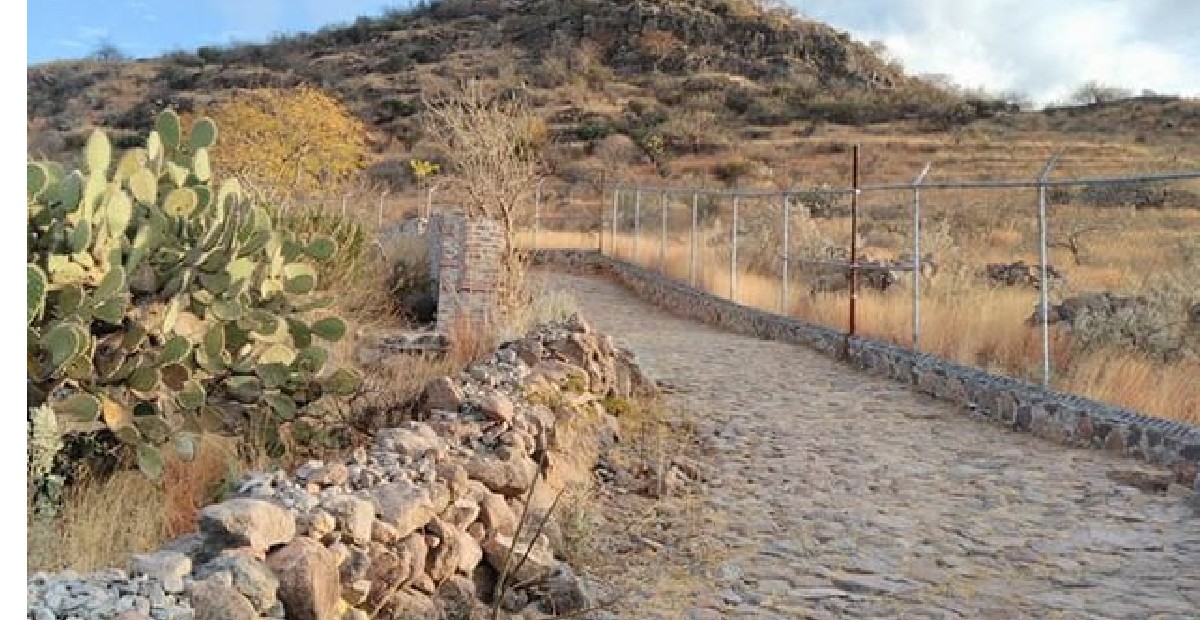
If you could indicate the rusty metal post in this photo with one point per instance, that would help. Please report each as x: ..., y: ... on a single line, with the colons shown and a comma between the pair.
x: 662, y: 235
x: 783, y: 285
x: 853, y: 250
x: 916, y: 261
x: 1043, y: 280
x: 695, y: 235
x: 637, y: 224
x: 733, y: 272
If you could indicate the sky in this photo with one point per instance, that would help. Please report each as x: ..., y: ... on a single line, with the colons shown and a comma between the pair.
x: 1042, y: 48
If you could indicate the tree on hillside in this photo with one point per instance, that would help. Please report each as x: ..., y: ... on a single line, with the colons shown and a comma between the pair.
x: 493, y: 146
x: 658, y: 45
x: 288, y: 141
x: 107, y: 51
x: 1094, y: 92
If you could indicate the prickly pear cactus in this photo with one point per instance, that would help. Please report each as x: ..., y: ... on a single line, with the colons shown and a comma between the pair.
x: 162, y: 304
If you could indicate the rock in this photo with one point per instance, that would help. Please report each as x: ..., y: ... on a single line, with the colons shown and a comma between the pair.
x: 457, y: 597
x: 462, y: 512
x: 511, y: 477
x: 455, y: 477
x: 130, y: 615
x: 408, y: 604
x: 442, y: 393
x: 477, y: 531
x: 403, y: 505
x: 470, y: 554
x: 358, y: 564
x: 497, y: 407
x: 214, y: 600
x: 252, y: 523
x: 168, y: 567
x: 412, y: 441
x: 1143, y: 479
x: 354, y: 517
x: 564, y: 592
x: 415, y: 551
x: 316, y: 524
x: 869, y: 584
x: 1020, y: 274
x: 529, y: 350
x: 389, y: 570
x: 539, y: 565
x: 496, y: 515
x: 384, y: 532
x: 424, y: 584
x: 250, y: 577
x: 356, y: 592
x: 443, y: 558
x: 333, y: 474
x: 309, y: 586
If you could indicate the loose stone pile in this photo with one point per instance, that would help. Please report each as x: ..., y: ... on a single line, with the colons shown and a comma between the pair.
x: 419, y: 525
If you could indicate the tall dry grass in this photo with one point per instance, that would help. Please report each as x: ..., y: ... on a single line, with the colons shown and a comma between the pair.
x: 104, y: 522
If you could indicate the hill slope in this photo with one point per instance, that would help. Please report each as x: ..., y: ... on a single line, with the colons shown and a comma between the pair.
x: 717, y: 80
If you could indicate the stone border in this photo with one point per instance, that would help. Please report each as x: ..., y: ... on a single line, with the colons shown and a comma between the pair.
x: 1020, y: 405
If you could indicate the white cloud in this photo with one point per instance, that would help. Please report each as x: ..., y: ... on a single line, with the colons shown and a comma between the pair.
x: 88, y: 32
x: 1045, y: 49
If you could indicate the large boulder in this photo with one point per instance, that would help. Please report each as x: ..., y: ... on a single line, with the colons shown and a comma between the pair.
x: 309, y: 584
x: 246, y: 522
x: 216, y: 599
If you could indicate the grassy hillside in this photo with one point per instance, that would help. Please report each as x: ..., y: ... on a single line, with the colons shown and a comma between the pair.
x: 708, y: 92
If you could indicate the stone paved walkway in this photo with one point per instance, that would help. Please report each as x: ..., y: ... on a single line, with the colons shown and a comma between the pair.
x: 849, y: 496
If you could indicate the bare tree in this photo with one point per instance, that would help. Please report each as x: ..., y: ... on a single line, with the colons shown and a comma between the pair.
x: 1071, y: 239
x: 493, y: 147
x: 107, y: 51
x: 1094, y: 92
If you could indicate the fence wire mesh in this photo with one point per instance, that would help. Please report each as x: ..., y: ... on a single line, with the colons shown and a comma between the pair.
x: 953, y: 269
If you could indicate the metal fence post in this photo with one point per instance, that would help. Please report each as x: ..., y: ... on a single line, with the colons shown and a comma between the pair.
x: 662, y: 235
x: 695, y: 235
x: 616, y: 204
x: 783, y: 288
x: 853, y: 251
x: 537, y: 213
x: 1043, y: 281
x: 381, y: 197
x: 733, y: 233
x: 916, y: 261
x: 637, y: 224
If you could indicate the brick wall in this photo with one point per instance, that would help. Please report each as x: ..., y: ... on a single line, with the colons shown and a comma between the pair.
x: 466, y: 261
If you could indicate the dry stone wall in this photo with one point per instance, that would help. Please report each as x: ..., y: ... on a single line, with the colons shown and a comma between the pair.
x: 418, y: 525
x: 1020, y: 405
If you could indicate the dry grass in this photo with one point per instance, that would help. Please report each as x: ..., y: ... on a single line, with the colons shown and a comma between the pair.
x: 966, y: 321
x: 103, y: 523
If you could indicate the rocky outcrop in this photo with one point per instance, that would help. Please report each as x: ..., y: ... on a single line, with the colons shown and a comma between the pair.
x: 1100, y: 305
x: 419, y: 524
x: 1021, y: 274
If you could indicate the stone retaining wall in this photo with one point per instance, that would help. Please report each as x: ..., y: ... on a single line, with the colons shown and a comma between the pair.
x: 420, y: 524
x: 1021, y: 405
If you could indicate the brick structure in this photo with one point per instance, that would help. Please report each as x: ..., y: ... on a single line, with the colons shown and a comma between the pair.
x: 467, y: 263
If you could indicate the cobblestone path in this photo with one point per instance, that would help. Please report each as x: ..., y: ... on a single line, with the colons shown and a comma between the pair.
x: 848, y: 496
